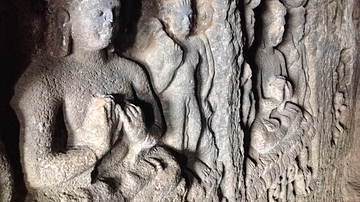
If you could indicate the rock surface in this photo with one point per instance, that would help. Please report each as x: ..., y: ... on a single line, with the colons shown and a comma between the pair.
x: 179, y: 100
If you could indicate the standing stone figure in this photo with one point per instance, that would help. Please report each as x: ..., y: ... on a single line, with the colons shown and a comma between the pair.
x: 294, y: 51
x: 249, y: 6
x: 204, y: 18
x: 180, y: 99
x: 154, y: 49
x: 88, y: 120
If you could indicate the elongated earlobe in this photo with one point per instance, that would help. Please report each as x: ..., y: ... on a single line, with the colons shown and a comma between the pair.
x: 58, y: 38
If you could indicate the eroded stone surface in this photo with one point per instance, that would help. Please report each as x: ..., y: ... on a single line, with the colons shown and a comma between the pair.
x: 194, y: 100
x: 6, y: 177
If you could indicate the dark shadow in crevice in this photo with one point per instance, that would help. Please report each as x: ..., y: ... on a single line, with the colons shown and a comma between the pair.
x: 130, y: 14
x: 18, y: 42
x: 249, y: 56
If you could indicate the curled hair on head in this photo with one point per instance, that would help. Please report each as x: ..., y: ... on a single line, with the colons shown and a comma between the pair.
x: 271, y: 10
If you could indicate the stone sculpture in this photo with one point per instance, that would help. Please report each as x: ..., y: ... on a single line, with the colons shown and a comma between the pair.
x: 216, y: 100
x: 342, y: 78
x: 249, y: 6
x: 204, y: 17
x: 270, y: 61
x: 168, y: 44
x: 294, y: 51
x: 90, y: 120
x: 170, y: 70
x: 280, y: 124
x: 149, y: 48
x: 185, y: 89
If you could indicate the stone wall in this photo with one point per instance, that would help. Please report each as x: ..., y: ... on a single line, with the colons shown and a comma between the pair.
x: 191, y: 100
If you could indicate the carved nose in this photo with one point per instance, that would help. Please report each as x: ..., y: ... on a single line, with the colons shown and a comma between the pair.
x: 186, y: 20
x: 108, y: 16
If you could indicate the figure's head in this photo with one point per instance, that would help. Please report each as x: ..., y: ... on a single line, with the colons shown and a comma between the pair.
x: 176, y: 16
x: 273, y: 21
x: 88, y: 24
x: 296, y: 21
x: 204, y: 17
x: 93, y: 23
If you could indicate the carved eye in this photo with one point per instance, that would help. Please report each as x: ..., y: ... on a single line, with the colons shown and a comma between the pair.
x: 190, y: 15
x: 204, y: 16
x: 97, y: 13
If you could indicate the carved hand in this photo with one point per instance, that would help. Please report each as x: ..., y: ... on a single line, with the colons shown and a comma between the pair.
x: 134, y: 127
x: 100, y: 124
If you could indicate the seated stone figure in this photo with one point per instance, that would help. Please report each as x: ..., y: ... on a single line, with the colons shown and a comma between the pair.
x: 84, y: 136
x: 278, y: 135
x: 281, y: 130
x: 269, y: 61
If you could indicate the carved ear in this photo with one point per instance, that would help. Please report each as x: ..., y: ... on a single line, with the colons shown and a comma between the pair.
x: 59, y: 39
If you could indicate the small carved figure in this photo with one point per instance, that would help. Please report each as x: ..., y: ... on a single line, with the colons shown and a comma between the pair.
x: 204, y: 17
x: 249, y: 6
x: 156, y: 51
x: 294, y: 51
x: 270, y: 62
x: 342, y: 78
x: 73, y: 110
x: 180, y: 99
x: 171, y: 64
x: 280, y: 125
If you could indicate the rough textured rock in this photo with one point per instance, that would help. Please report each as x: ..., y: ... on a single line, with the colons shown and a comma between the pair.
x: 180, y: 100
x: 6, y: 177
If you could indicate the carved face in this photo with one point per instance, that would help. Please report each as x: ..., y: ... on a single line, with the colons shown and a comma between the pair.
x: 273, y: 19
x: 179, y: 20
x: 94, y: 23
x: 204, y: 17
x: 275, y: 31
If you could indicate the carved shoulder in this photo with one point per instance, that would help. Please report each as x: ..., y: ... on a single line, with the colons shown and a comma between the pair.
x: 35, y: 86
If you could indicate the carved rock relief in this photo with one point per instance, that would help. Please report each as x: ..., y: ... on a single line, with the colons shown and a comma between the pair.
x: 177, y: 113
x: 182, y: 77
x: 91, y: 132
x: 278, y: 167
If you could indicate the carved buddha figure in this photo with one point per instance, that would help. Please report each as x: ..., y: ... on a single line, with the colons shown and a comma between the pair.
x: 73, y: 110
x: 270, y: 62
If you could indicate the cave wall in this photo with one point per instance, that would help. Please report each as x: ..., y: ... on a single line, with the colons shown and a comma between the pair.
x: 277, y: 126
